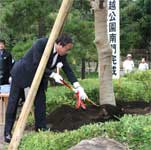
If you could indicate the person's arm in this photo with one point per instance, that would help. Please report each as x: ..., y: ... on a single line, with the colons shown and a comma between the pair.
x: 68, y: 71
x: 147, y: 67
x: 71, y: 77
x: 10, y: 62
x: 139, y: 67
x: 124, y: 65
x: 133, y: 64
x: 66, y: 68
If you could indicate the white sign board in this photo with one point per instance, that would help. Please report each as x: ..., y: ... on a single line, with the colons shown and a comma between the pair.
x: 114, y: 35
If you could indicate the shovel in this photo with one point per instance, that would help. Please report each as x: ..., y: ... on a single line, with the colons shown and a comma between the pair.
x: 79, y: 101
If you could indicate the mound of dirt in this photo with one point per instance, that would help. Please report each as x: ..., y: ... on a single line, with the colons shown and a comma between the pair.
x: 135, y: 107
x: 69, y: 118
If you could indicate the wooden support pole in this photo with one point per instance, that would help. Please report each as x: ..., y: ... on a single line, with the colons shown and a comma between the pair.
x: 20, y: 126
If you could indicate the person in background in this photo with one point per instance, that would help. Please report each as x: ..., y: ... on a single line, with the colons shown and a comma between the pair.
x: 128, y: 64
x: 23, y: 73
x: 143, y: 65
x: 6, y: 63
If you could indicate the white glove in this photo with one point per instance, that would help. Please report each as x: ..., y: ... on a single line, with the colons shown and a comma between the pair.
x: 59, y: 65
x: 81, y: 91
x: 10, y: 80
x: 56, y: 77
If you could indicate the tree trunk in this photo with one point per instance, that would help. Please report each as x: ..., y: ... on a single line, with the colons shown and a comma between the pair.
x: 96, y: 68
x: 104, y: 52
x: 89, y: 66
x: 83, y: 69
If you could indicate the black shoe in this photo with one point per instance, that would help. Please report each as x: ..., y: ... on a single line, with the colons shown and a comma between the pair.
x: 37, y: 129
x: 7, y: 137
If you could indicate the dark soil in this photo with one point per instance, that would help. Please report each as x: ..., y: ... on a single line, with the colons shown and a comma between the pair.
x: 69, y: 118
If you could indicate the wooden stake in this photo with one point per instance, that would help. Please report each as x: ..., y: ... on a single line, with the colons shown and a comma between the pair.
x: 18, y: 132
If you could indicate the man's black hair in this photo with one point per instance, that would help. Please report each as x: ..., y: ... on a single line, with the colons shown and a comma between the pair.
x: 2, y: 41
x: 64, y: 39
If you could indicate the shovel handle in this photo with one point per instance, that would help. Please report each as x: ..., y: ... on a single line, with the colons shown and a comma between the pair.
x: 90, y: 101
x: 70, y: 87
x: 67, y: 85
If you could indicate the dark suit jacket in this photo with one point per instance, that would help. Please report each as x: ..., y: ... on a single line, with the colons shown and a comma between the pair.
x: 5, y: 66
x: 24, y: 70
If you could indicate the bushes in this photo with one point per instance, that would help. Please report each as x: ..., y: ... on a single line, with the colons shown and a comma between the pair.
x: 135, y: 86
x: 20, y: 48
x: 130, y: 90
x: 134, y: 131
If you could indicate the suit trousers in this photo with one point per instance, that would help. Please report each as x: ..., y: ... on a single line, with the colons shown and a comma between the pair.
x: 39, y: 110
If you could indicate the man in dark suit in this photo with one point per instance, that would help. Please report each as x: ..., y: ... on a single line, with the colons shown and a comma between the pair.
x: 23, y: 73
x: 5, y: 63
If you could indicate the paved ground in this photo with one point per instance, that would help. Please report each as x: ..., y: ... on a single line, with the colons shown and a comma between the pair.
x: 1, y: 138
x: 1, y: 143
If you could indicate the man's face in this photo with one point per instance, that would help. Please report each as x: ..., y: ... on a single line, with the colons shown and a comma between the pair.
x: 129, y: 58
x: 2, y: 45
x: 63, y: 50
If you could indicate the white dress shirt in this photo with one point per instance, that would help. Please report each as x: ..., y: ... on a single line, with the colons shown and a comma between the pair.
x: 54, y: 57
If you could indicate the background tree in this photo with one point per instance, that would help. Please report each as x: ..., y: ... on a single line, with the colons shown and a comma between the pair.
x: 135, y: 19
x: 27, y: 20
x: 81, y: 26
x: 23, y: 21
x: 83, y: 32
